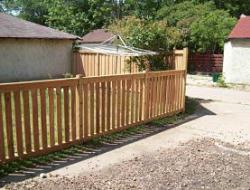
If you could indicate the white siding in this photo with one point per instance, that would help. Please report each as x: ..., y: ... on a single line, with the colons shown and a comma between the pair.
x: 30, y: 59
x: 236, y: 66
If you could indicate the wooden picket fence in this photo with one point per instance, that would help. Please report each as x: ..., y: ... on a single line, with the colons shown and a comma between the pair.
x: 39, y: 117
x: 97, y: 64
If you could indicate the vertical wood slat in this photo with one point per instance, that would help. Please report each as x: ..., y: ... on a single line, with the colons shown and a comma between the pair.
x: 59, y: 115
x: 114, y: 114
x: 27, y: 121
x: 86, y: 111
x: 36, y: 138
x: 103, y: 106
x: 2, y: 147
x: 97, y: 86
x: 79, y: 102
x: 118, y: 111
x: 132, y: 108
x: 66, y: 113
x: 164, y: 91
x: 127, y: 101
x: 9, y: 131
x: 123, y: 103
x: 137, y: 95
x: 73, y: 113
x: 141, y: 100
x: 51, y: 117
x: 19, y: 131
x: 43, y: 118
x: 92, y: 106
x: 109, y: 106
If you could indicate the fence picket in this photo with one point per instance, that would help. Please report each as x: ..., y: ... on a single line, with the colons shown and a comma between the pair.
x: 9, y: 132
x: 43, y: 118
x: 19, y: 130
x: 59, y: 115
x: 2, y: 147
x: 51, y: 117
x: 27, y: 121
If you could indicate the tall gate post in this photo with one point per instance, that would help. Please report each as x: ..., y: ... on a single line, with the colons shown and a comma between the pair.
x: 185, y: 58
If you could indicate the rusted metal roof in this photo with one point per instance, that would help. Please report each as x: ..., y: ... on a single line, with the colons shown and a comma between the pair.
x: 13, y: 27
x: 241, y: 29
x: 97, y: 36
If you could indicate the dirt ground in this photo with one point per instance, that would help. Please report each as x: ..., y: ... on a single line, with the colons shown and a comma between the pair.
x: 210, y: 151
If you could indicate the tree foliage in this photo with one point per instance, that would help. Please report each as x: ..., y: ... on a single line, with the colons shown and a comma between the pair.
x: 160, y: 22
x: 79, y: 16
x: 210, y: 31
x: 147, y: 34
x: 203, y: 26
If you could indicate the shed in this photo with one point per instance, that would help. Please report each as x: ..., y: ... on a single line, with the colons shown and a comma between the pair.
x: 30, y: 51
x: 236, y: 65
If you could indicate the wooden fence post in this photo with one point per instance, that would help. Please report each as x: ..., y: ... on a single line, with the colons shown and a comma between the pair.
x: 79, y: 104
x: 185, y: 58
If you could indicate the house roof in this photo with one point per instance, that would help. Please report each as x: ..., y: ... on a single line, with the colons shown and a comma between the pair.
x: 241, y: 29
x: 97, y: 36
x: 13, y: 27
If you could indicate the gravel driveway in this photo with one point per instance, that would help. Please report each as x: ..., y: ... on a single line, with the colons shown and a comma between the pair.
x: 210, y: 152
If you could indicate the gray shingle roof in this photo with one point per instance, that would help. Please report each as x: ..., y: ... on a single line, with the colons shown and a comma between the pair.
x: 97, y: 36
x: 13, y: 27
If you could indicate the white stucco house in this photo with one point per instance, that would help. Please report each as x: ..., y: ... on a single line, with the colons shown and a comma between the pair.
x: 29, y: 51
x: 236, y: 65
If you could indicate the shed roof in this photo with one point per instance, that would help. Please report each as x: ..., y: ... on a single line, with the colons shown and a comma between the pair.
x: 116, y: 50
x: 13, y: 27
x: 97, y: 36
x: 241, y: 29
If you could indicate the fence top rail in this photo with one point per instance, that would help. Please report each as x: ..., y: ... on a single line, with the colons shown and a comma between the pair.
x: 28, y: 85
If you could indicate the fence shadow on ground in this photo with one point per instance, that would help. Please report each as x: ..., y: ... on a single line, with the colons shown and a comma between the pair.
x: 109, y: 143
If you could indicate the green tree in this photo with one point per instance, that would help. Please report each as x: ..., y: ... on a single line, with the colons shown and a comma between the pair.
x: 32, y: 10
x: 182, y: 15
x: 150, y: 35
x: 74, y: 16
x: 234, y: 7
x: 210, y: 31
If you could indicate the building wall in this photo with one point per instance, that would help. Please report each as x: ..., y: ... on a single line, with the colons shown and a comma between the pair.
x: 236, y: 66
x: 31, y: 59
